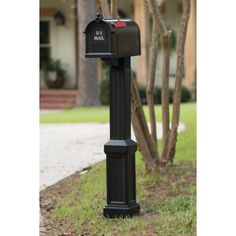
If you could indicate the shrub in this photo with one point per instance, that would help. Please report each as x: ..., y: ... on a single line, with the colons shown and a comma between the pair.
x: 157, y: 95
x: 171, y: 93
x: 104, y: 91
x: 185, y: 94
x: 142, y: 94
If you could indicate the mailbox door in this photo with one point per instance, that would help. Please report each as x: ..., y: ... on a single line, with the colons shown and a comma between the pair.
x: 98, y: 40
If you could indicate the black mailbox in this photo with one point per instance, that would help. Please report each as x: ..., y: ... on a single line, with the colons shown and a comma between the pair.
x: 115, y: 41
x: 112, y: 38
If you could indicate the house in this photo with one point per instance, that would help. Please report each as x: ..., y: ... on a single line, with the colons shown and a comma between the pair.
x: 59, y: 41
x: 62, y: 23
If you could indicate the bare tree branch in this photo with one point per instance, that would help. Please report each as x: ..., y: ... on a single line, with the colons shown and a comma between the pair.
x: 178, y: 80
x: 105, y: 9
x: 157, y: 16
x: 151, y: 79
x: 142, y: 143
x: 114, y: 8
x: 148, y: 142
x: 164, y: 37
x: 147, y: 145
x: 138, y: 111
x: 165, y: 91
x: 160, y: 3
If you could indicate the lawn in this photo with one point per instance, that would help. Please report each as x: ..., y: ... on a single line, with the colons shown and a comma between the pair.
x: 97, y: 114
x: 83, y: 114
x: 167, y: 199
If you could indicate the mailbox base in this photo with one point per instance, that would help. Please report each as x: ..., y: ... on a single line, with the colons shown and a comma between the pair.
x: 113, y: 210
x: 121, y: 183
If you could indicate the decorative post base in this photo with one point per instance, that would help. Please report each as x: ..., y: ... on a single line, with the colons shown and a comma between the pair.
x: 121, y: 181
x: 114, y: 210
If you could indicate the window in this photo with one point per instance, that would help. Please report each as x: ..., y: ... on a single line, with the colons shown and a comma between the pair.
x: 44, y: 43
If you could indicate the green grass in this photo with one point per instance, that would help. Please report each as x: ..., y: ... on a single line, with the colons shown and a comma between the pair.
x: 97, y: 114
x: 167, y: 199
x: 78, y: 115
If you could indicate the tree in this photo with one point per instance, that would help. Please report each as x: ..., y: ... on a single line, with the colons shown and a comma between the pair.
x: 147, y: 141
x: 88, y: 85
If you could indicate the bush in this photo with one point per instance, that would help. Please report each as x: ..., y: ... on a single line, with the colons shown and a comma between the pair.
x: 104, y: 91
x: 171, y: 93
x: 142, y: 94
x: 157, y: 95
x: 185, y: 94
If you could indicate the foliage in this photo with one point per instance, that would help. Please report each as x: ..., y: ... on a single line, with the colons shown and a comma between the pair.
x: 194, y: 91
x: 185, y: 94
x: 157, y: 95
x: 54, y: 66
x: 142, y: 93
x: 104, y: 94
x: 104, y: 88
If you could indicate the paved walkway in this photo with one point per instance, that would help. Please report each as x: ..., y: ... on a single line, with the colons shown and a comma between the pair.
x: 67, y: 148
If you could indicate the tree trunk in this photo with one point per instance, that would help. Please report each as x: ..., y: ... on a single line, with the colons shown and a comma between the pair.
x: 114, y: 12
x: 146, y: 144
x: 105, y: 9
x: 164, y: 37
x: 178, y: 81
x: 165, y: 91
x: 151, y: 80
x: 87, y: 81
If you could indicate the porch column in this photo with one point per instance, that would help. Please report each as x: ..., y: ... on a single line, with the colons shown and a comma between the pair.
x: 140, y: 15
x: 87, y: 73
x: 190, y: 48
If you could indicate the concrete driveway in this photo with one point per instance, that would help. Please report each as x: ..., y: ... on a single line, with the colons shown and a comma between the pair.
x: 67, y: 148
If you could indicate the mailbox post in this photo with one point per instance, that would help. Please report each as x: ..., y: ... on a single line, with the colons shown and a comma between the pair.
x: 115, y: 41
